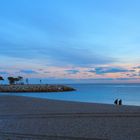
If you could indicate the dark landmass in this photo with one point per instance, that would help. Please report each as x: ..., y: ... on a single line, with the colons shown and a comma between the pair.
x: 35, y: 88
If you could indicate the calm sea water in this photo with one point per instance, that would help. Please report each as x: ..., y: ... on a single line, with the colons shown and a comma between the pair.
x: 98, y: 93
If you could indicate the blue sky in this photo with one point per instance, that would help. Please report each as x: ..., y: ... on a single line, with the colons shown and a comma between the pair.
x: 70, y: 39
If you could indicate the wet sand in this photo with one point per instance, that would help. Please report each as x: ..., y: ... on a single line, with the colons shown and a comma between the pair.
x: 26, y: 118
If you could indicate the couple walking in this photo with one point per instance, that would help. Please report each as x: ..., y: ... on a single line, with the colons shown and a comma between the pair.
x: 118, y: 102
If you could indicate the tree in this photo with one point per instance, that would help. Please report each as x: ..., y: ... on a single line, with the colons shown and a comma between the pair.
x: 11, y: 80
x: 20, y: 78
x: 1, y: 78
x: 14, y: 80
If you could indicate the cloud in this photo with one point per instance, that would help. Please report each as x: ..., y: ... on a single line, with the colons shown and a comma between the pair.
x: 132, y: 74
x: 28, y: 71
x: 104, y: 70
x: 66, y: 55
x: 55, y: 54
x: 72, y: 71
x: 138, y: 67
x: 55, y: 41
x: 127, y: 79
x: 92, y: 71
x: 3, y: 73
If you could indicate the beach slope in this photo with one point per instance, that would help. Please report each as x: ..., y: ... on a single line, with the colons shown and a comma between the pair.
x: 26, y: 118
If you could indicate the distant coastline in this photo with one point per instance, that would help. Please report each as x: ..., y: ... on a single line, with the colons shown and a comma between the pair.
x: 35, y: 88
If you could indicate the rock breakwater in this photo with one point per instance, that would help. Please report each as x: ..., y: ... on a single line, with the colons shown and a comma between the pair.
x: 35, y: 88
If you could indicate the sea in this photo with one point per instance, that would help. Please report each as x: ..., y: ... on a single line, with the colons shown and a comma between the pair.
x: 93, y: 93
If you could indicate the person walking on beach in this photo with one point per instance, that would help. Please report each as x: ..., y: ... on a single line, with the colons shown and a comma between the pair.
x: 120, y: 102
x: 116, y: 102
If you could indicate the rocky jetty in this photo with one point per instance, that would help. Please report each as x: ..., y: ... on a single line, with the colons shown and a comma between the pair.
x: 35, y: 88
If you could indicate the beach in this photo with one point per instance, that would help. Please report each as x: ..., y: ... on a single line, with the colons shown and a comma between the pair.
x: 27, y: 118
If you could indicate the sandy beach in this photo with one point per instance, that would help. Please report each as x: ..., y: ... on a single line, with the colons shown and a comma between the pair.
x: 26, y: 118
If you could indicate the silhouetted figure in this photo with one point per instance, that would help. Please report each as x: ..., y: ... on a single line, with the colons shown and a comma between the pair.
x: 116, y: 102
x: 120, y: 102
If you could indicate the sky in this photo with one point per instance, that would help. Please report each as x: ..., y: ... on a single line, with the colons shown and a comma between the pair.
x: 70, y: 40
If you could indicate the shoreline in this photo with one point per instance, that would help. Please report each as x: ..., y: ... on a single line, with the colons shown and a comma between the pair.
x: 35, y: 88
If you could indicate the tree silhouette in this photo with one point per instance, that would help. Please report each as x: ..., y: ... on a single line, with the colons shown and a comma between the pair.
x: 11, y: 80
x: 14, y: 80
x: 20, y: 78
x: 1, y: 78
